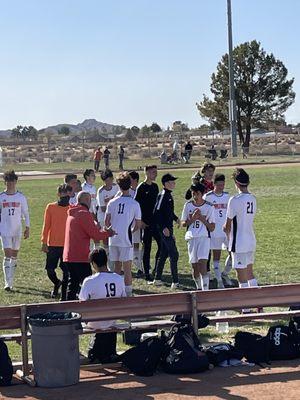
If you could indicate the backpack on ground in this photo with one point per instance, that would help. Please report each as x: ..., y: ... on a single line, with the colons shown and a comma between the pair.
x: 203, y: 321
x: 184, y: 353
x: 221, y: 352
x: 284, y: 342
x: 6, y: 368
x: 255, y: 348
x: 143, y: 359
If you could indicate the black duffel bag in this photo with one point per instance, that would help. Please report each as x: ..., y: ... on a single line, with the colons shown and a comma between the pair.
x: 255, y: 348
x: 284, y: 342
x: 6, y: 368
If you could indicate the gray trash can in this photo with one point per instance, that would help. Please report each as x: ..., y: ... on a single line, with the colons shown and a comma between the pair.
x: 55, y: 348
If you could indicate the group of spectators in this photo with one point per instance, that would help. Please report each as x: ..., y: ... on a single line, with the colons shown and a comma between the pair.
x: 105, y: 155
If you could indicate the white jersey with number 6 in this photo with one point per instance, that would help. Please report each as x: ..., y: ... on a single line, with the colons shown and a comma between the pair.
x: 123, y: 211
x: 241, y: 210
x: 220, y: 202
x: 13, y: 207
x: 197, y: 228
x: 100, y: 286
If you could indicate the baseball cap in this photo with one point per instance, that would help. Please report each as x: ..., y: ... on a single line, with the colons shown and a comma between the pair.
x: 241, y: 177
x: 167, y: 177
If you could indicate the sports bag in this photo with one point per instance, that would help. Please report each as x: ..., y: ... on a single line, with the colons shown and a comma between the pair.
x: 221, y: 352
x: 6, y: 368
x: 255, y: 348
x: 143, y: 359
x: 284, y: 342
x: 184, y: 353
x: 203, y: 321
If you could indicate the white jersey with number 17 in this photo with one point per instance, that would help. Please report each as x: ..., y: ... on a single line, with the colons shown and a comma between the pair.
x: 13, y: 207
x: 123, y: 211
x: 241, y: 210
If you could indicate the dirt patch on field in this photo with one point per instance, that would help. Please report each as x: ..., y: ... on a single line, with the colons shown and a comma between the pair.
x: 281, y: 380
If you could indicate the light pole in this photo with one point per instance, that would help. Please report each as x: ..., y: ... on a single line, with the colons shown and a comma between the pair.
x: 232, y: 105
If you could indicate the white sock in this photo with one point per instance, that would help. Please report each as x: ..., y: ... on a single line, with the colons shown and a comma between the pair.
x: 6, y: 271
x: 243, y: 284
x: 128, y: 290
x: 217, y: 270
x: 198, y: 283
x: 13, y: 265
x: 205, y: 282
x: 252, y: 282
x: 228, y: 265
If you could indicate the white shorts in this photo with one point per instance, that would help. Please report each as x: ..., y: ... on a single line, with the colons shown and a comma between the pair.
x: 137, y: 236
x: 242, y: 260
x: 218, y: 243
x: 11, y: 242
x: 116, y: 253
x: 198, y: 249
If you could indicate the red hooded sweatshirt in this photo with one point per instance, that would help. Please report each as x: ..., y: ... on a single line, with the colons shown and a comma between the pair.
x: 80, y: 229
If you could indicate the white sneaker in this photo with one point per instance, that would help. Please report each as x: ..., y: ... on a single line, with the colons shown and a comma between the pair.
x: 226, y: 278
x: 175, y: 286
x: 220, y: 285
x: 157, y: 282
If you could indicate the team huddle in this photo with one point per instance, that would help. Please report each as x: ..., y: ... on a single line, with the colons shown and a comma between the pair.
x: 127, y: 216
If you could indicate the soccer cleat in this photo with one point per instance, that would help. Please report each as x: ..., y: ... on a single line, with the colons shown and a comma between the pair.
x: 226, y: 279
x: 55, y: 290
x: 220, y: 285
x: 175, y: 286
x: 7, y: 288
x: 157, y: 282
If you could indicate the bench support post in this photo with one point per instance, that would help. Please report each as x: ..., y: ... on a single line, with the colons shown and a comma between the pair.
x: 25, y: 366
x: 194, y: 312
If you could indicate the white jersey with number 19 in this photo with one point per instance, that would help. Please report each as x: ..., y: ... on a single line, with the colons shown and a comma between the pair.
x: 13, y: 207
x: 241, y: 210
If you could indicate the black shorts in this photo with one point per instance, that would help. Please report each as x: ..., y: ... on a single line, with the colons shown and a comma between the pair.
x: 55, y: 256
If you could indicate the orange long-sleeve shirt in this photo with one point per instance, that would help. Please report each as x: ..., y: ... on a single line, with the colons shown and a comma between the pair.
x: 55, y: 217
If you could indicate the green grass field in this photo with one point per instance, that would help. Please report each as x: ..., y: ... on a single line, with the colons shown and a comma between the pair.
x: 277, y: 229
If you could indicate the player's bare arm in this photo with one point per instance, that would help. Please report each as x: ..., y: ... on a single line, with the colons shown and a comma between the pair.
x: 209, y: 225
x: 227, y: 226
x: 26, y: 232
x: 137, y: 225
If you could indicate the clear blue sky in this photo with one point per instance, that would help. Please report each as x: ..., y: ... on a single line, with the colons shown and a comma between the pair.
x: 128, y: 61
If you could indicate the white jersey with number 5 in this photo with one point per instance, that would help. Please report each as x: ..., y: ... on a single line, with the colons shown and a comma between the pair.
x: 123, y: 211
x: 197, y: 228
x: 242, y: 209
x: 13, y: 207
x: 220, y: 202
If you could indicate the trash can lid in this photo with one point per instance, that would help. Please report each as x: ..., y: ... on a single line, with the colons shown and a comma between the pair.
x: 54, y: 318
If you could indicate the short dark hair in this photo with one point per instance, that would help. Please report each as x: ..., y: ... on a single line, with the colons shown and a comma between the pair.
x: 241, y: 177
x: 134, y: 175
x: 69, y: 177
x: 207, y: 166
x: 106, y: 174
x: 148, y: 167
x: 10, y: 176
x: 88, y: 172
x: 198, y: 187
x: 99, y: 257
x: 219, y: 178
x: 64, y: 188
x: 124, y: 181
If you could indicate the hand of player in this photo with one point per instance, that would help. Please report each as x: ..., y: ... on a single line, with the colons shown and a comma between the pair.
x: 44, y: 248
x: 178, y: 222
x: 166, y: 232
x: 26, y: 233
x: 110, y: 231
x: 143, y: 225
x: 195, y: 215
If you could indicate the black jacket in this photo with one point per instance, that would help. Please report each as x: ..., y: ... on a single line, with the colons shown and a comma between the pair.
x: 164, y: 211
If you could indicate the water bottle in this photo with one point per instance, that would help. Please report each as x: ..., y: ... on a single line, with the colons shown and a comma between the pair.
x: 222, y: 327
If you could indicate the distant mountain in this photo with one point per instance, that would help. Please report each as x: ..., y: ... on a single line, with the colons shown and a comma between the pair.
x: 5, y: 133
x: 88, y: 125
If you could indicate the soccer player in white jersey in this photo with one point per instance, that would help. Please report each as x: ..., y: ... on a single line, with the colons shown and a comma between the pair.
x: 123, y: 215
x: 103, y: 284
x: 241, y: 211
x: 104, y: 194
x: 88, y: 186
x: 13, y: 208
x: 71, y: 180
x: 199, y: 217
x: 218, y: 241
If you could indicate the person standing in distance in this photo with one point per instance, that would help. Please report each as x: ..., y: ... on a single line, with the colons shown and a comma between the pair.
x: 81, y: 228
x: 97, y: 159
x: 121, y: 158
x: 241, y: 211
x: 103, y: 284
x: 13, y: 208
x: 164, y: 216
x: 123, y: 215
x: 146, y: 195
x: 53, y: 238
x: 106, y: 155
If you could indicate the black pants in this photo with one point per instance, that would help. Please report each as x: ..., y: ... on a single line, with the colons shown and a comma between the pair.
x: 96, y: 165
x: 53, y: 260
x: 103, y: 347
x: 167, y: 249
x: 149, y: 233
x: 77, y: 273
x: 121, y: 167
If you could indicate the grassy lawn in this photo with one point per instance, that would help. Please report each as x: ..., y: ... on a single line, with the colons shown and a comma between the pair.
x: 277, y: 229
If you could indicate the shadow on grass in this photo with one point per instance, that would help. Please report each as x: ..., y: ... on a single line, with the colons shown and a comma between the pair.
x: 32, y: 291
